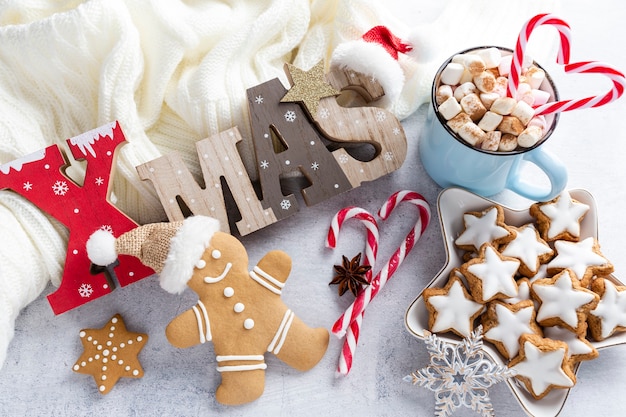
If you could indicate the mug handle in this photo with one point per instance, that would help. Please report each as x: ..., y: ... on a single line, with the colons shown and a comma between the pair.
x: 552, y: 166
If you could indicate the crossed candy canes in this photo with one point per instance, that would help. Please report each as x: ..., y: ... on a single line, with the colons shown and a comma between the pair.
x: 350, y: 321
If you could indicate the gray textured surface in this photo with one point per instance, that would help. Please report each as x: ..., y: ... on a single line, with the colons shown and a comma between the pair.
x: 37, y: 378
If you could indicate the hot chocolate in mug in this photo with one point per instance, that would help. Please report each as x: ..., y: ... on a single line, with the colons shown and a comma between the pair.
x: 451, y: 161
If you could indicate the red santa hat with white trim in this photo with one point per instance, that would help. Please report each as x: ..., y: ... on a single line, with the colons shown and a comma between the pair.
x: 171, y: 249
x: 376, y: 54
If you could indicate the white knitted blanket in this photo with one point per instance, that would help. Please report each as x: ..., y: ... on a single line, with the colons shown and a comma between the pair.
x: 172, y: 73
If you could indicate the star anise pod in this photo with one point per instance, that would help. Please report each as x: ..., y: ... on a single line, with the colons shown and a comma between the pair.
x: 350, y: 275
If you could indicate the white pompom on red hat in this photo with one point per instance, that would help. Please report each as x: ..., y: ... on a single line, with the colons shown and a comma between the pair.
x: 171, y: 249
x: 375, y: 54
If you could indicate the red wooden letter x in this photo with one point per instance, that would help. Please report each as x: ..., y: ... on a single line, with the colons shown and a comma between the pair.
x: 40, y: 178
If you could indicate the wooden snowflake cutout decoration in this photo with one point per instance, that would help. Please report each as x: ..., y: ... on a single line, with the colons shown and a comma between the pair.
x: 460, y: 374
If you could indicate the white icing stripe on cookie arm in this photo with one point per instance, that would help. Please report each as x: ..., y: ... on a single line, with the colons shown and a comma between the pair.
x: 281, y: 333
x: 262, y: 278
x: 243, y: 367
x: 199, y: 321
x: 208, y: 334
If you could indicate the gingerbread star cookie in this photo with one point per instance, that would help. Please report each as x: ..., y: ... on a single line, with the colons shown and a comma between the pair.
x: 609, y: 316
x: 483, y: 227
x: 110, y: 353
x: 542, y: 364
x: 564, y: 302
x: 559, y: 219
x: 491, y: 276
x: 451, y: 308
x: 505, y: 323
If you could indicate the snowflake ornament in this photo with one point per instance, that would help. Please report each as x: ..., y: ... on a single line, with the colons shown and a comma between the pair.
x: 60, y: 188
x: 85, y: 290
x: 460, y: 374
x: 290, y: 116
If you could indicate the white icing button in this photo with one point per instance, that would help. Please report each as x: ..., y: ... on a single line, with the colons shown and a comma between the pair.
x: 239, y: 307
x: 229, y: 292
x: 248, y: 324
x: 201, y: 264
x: 216, y: 254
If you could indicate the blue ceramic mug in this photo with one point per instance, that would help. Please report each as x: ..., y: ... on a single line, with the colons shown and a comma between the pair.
x: 450, y: 161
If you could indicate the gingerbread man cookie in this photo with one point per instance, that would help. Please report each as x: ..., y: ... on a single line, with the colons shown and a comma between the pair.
x: 240, y: 311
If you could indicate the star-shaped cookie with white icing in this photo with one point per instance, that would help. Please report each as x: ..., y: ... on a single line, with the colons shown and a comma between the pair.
x: 110, y: 353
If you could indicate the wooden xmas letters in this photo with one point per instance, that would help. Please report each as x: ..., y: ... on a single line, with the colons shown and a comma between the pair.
x: 298, y: 132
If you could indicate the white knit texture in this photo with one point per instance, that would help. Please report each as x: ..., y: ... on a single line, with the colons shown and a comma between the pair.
x: 172, y: 73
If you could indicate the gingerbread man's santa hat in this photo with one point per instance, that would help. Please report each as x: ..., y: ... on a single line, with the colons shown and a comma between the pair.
x: 377, y: 54
x: 171, y: 249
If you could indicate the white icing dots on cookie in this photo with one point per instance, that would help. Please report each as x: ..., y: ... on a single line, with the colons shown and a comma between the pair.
x: 101, y: 350
x: 229, y: 292
x: 248, y: 324
x: 239, y: 307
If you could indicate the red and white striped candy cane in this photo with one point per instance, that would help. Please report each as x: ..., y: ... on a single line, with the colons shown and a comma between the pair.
x: 364, y: 297
x: 522, y: 41
x: 619, y: 83
x: 371, y: 251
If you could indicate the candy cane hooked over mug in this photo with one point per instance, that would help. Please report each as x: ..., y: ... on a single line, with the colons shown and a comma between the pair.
x: 371, y: 251
x: 522, y: 41
x: 356, y: 309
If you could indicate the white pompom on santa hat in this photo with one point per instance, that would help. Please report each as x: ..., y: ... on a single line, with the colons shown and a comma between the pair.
x: 171, y: 249
x: 376, y: 54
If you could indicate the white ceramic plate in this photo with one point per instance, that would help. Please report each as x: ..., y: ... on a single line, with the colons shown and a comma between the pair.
x: 452, y: 204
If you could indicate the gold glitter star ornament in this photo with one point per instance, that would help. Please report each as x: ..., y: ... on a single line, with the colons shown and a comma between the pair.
x: 110, y: 353
x: 308, y: 87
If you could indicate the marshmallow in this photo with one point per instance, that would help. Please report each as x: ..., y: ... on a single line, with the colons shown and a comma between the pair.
x: 505, y: 64
x: 464, y: 89
x: 503, y: 105
x: 466, y: 77
x: 540, y: 97
x: 523, y: 111
x: 452, y: 73
x: 449, y: 108
x: 472, y: 105
x: 511, y: 124
x: 501, y: 85
x: 507, y: 143
x: 530, y: 136
x: 458, y: 59
x: 490, y: 121
x: 474, y: 64
x: 535, y: 76
x: 522, y: 88
x: 472, y: 134
x: 485, y: 81
x: 488, y: 98
x: 492, y: 141
x: 539, y: 121
x: 443, y: 93
x: 458, y: 121
x: 491, y: 56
